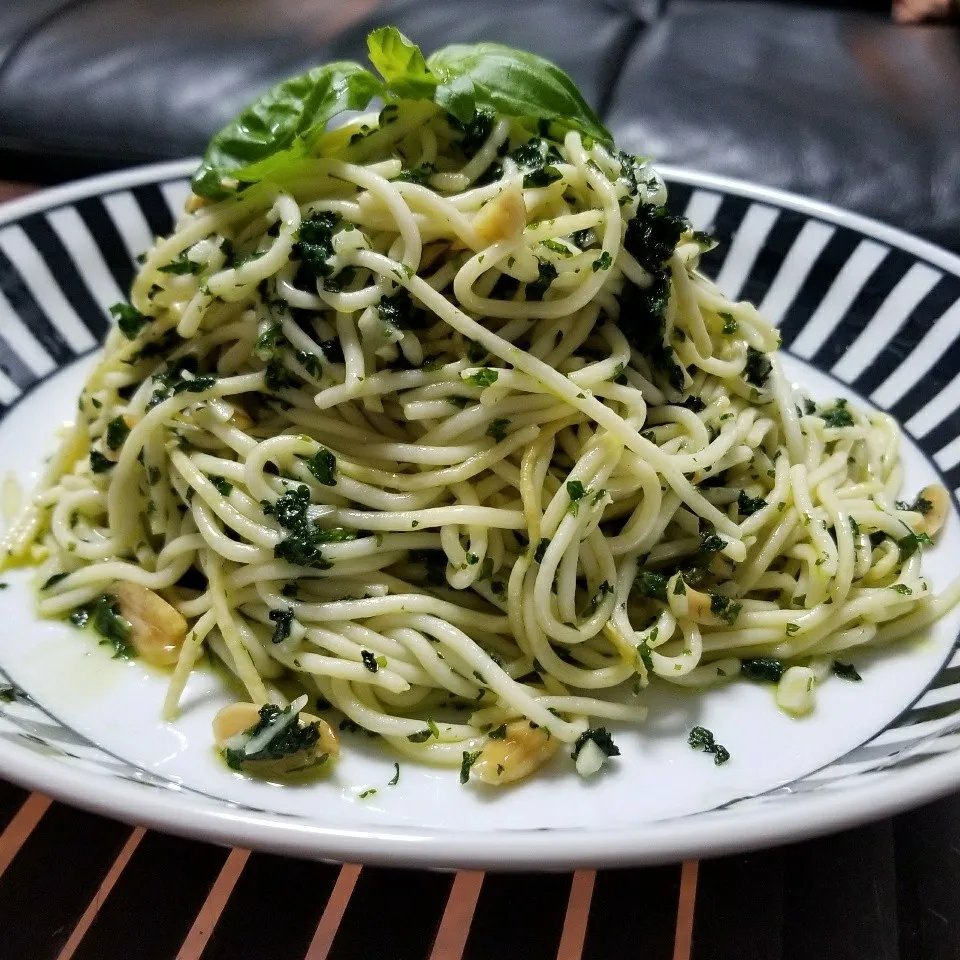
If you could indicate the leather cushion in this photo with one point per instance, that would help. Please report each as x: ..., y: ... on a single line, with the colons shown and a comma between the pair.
x: 839, y: 106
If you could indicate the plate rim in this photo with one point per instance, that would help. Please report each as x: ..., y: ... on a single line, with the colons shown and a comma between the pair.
x: 708, y: 833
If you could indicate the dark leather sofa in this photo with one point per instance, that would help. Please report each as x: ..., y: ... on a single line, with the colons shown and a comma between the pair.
x: 831, y: 100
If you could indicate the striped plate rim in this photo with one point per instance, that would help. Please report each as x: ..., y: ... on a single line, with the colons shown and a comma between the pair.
x: 715, y: 832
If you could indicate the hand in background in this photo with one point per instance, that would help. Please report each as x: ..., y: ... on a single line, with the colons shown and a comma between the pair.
x: 921, y: 11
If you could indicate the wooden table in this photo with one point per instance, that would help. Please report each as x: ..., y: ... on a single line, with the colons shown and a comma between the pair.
x: 76, y: 885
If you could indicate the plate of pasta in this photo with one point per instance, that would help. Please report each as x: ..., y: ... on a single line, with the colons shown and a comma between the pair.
x: 420, y: 477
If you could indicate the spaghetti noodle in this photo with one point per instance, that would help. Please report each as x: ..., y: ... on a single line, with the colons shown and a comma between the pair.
x: 444, y: 426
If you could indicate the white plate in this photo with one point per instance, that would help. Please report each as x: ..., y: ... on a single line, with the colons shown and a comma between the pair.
x: 866, y: 312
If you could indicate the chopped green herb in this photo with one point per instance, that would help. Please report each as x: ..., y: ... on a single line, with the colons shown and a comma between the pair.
x: 646, y: 657
x: 730, y: 324
x: 198, y: 384
x: 277, y: 377
x: 643, y: 322
x: 599, y: 736
x: 99, y: 463
x: 498, y: 429
x: 903, y: 589
x: 546, y: 274
x: 369, y: 792
x: 334, y: 535
x: 301, y: 547
x: 117, y: 432
x: 838, y: 415
x: 181, y: 265
x: 129, y: 320
x: 651, y: 586
x: 846, y: 671
x: 920, y: 505
x: 223, y: 485
x: 576, y: 492
x: 369, y: 660
x: 702, y: 739
x: 758, y: 367
x: 469, y: 759
x: 284, y: 621
x: 762, y: 668
x: 542, y: 177
x: 653, y: 235
x: 749, y: 505
x: 498, y: 733
x: 603, y: 262
x: 104, y: 615
x: 310, y: 362
x: 792, y: 628
x: 722, y: 607
x: 911, y: 543
x: 475, y: 352
x: 420, y: 175
x: 289, y: 738
x: 484, y: 377
x: 53, y: 581
x: 398, y: 311
x: 395, y: 779
x: 314, y: 246
x: 323, y: 465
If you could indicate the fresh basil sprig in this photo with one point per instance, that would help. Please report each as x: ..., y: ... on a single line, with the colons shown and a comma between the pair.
x: 284, y: 125
x: 464, y: 78
x: 514, y: 83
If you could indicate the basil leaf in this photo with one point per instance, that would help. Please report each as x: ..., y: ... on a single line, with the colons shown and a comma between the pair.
x: 514, y: 83
x: 282, y: 126
x: 467, y: 78
x: 401, y: 64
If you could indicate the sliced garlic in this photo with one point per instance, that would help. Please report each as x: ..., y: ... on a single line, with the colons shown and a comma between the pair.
x: 590, y: 759
x: 241, y: 419
x: 234, y: 720
x: 697, y: 606
x: 939, y: 500
x: 194, y: 203
x: 522, y: 750
x: 795, y: 691
x: 157, y: 629
x: 329, y: 742
x: 504, y: 217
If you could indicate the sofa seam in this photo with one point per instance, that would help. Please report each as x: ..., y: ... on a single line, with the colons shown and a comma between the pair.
x: 611, y: 78
x: 33, y: 31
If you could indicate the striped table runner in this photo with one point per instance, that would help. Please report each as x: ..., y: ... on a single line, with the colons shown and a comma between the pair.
x: 75, y: 886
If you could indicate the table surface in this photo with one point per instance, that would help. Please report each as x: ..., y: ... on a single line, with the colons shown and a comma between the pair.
x: 77, y: 885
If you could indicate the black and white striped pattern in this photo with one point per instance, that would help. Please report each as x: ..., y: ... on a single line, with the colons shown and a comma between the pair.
x: 878, y: 311
x: 63, y: 266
